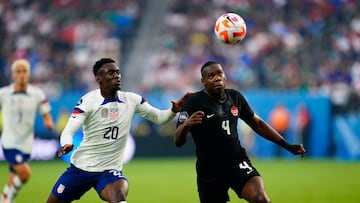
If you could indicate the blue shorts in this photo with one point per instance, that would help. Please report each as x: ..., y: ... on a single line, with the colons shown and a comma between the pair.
x: 74, y: 182
x: 15, y: 157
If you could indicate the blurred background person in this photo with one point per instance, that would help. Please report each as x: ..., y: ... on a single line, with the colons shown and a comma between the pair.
x: 19, y: 102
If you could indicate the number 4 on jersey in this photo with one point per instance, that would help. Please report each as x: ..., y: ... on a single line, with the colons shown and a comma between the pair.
x: 225, y: 125
x: 244, y: 165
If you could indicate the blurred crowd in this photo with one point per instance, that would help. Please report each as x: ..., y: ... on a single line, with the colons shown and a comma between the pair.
x: 63, y: 38
x: 308, y: 46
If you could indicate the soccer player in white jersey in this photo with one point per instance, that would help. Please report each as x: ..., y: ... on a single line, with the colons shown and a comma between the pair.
x: 105, y: 115
x: 20, y: 102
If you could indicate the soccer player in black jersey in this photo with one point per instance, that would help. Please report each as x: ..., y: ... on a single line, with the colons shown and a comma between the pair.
x: 211, y: 117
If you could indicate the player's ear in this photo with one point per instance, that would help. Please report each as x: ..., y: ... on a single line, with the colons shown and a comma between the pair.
x: 97, y: 78
x: 203, y: 81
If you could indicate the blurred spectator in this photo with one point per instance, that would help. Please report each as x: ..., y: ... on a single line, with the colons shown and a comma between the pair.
x: 300, y: 45
x: 61, y: 38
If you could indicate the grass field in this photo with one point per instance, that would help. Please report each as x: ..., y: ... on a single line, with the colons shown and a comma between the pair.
x: 172, y: 180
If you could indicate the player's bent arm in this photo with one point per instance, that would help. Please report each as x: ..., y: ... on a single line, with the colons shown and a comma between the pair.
x: 183, y: 130
x: 181, y: 134
x: 69, y: 131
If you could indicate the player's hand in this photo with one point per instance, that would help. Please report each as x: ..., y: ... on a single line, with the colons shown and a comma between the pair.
x: 177, y: 105
x: 297, y: 149
x: 195, y: 119
x: 65, y: 149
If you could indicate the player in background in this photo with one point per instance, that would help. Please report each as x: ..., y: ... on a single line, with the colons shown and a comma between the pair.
x: 105, y: 115
x: 211, y: 117
x: 19, y: 103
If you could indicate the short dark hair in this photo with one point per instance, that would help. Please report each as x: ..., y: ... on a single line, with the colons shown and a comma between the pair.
x: 206, y: 64
x: 100, y: 63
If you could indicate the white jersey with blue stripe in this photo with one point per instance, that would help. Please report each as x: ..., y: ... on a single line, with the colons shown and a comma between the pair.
x: 106, y: 125
x: 18, y: 116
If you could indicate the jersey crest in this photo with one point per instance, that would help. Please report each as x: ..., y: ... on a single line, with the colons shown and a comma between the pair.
x: 114, y: 113
x: 234, y: 111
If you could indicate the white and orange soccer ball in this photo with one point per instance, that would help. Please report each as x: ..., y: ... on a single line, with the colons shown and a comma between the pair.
x: 230, y: 28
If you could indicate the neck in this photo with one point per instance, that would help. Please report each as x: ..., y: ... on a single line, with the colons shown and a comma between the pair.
x: 20, y: 87
x: 108, y: 94
x: 220, y: 96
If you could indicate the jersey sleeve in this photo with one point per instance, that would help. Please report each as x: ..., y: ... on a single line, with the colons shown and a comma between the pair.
x: 2, y: 90
x: 245, y: 111
x: 149, y: 112
x: 75, y: 121
x: 186, y: 111
x: 44, y: 105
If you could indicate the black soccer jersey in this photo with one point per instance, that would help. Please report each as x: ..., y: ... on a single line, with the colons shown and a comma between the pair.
x: 216, y: 138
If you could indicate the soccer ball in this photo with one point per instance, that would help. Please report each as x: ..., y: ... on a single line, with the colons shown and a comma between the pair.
x: 230, y: 28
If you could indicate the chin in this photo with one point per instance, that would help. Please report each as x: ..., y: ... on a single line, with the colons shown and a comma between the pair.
x: 117, y: 88
x: 219, y: 88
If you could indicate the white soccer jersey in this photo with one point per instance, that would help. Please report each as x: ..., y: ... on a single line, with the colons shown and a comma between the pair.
x: 106, y: 125
x: 18, y: 112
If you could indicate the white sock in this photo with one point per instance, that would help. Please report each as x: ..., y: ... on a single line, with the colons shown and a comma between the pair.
x: 5, y: 190
x: 14, y: 188
x: 122, y: 202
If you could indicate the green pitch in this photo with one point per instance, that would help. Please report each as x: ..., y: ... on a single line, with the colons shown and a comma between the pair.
x: 172, y: 180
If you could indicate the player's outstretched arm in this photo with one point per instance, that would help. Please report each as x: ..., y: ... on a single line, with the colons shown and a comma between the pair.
x: 177, y: 105
x: 265, y: 130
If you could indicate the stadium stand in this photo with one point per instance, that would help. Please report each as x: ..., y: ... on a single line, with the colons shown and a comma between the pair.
x: 306, y: 46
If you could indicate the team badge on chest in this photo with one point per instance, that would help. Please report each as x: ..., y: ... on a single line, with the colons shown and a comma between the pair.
x: 234, y: 111
x: 114, y: 113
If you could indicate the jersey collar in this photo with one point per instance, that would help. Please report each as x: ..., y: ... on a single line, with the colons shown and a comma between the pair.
x: 111, y: 100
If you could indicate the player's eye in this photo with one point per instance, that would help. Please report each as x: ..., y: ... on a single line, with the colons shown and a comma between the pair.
x: 112, y: 72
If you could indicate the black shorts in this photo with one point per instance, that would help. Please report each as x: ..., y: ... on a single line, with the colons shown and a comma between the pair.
x: 214, y: 188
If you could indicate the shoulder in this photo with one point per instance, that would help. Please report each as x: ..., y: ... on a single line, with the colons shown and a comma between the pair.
x: 90, y: 98
x: 5, y: 92
x: 234, y: 93
x: 35, y: 89
x: 194, y: 99
x: 197, y: 95
x: 92, y: 94
x: 131, y: 97
x: 5, y: 89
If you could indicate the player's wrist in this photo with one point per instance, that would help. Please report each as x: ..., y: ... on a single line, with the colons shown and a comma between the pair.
x: 286, y: 145
x: 173, y: 110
